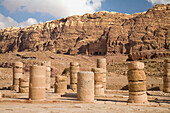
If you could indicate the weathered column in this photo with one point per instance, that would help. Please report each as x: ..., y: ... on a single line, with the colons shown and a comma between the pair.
x: 60, y: 84
x: 37, y: 84
x: 166, y: 78
x: 17, y: 73
x: 101, y: 63
x: 85, y: 86
x: 99, y: 82
x: 23, y: 85
x: 48, y: 73
x: 136, y: 83
x: 74, y: 69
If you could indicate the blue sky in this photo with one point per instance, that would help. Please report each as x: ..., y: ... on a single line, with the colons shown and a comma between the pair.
x: 21, y: 13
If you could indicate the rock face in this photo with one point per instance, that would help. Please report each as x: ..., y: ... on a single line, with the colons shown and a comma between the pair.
x: 101, y: 33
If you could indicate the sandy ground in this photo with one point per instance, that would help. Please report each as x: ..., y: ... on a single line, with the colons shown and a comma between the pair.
x: 78, y: 108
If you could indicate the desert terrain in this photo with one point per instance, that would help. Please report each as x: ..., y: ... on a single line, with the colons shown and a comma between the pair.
x: 116, y: 96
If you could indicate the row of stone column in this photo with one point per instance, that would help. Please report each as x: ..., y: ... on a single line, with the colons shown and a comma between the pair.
x: 90, y: 83
x: 21, y: 82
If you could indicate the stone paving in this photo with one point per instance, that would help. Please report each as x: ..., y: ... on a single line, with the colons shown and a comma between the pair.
x: 116, y: 97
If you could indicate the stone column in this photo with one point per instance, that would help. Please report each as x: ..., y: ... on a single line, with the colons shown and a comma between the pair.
x: 37, y: 84
x: 60, y: 84
x: 166, y: 78
x: 48, y: 73
x: 85, y: 86
x: 74, y: 69
x: 101, y: 63
x: 17, y: 73
x: 136, y: 83
x: 23, y: 85
x: 99, y: 82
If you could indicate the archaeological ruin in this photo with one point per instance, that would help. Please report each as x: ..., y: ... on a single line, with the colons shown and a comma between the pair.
x: 92, y: 63
x: 88, y: 85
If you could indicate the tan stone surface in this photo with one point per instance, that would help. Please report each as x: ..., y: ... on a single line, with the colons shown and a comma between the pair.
x: 101, y: 63
x: 74, y: 69
x: 137, y: 86
x: 138, y: 97
x: 37, y: 83
x: 85, y: 86
x: 136, y: 75
x: 61, y: 87
x: 135, y: 65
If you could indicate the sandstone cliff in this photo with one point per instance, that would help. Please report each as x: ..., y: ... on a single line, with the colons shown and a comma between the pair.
x: 100, y: 33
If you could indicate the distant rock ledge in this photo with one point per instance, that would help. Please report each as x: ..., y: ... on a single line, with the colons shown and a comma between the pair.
x: 101, y: 33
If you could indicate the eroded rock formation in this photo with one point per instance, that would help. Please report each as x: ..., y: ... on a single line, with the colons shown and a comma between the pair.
x: 101, y: 33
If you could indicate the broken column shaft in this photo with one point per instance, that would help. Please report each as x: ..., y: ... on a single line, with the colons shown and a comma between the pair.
x: 74, y: 69
x: 37, y: 84
x: 101, y: 63
x: 23, y: 85
x: 136, y: 83
x: 99, y: 82
x: 60, y: 84
x: 85, y: 86
x: 17, y: 73
x: 166, y: 78
x: 47, y: 64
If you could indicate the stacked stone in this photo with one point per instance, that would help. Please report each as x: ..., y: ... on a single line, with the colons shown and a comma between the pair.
x: 60, y: 84
x: 166, y: 79
x: 85, y: 86
x: 23, y: 85
x: 48, y: 73
x: 74, y: 69
x: 99, y: 75
x: 17, y: 73
x: 101, y: 63
x: 136, y: 83
x: 37, y: 83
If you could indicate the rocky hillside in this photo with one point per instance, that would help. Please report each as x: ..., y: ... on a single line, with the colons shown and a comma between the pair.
x: 100, y: 33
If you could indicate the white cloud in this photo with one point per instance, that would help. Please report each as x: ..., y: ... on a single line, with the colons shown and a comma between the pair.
x: 159, y: 1
x: 57, y: 8
x: 9, y: 22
